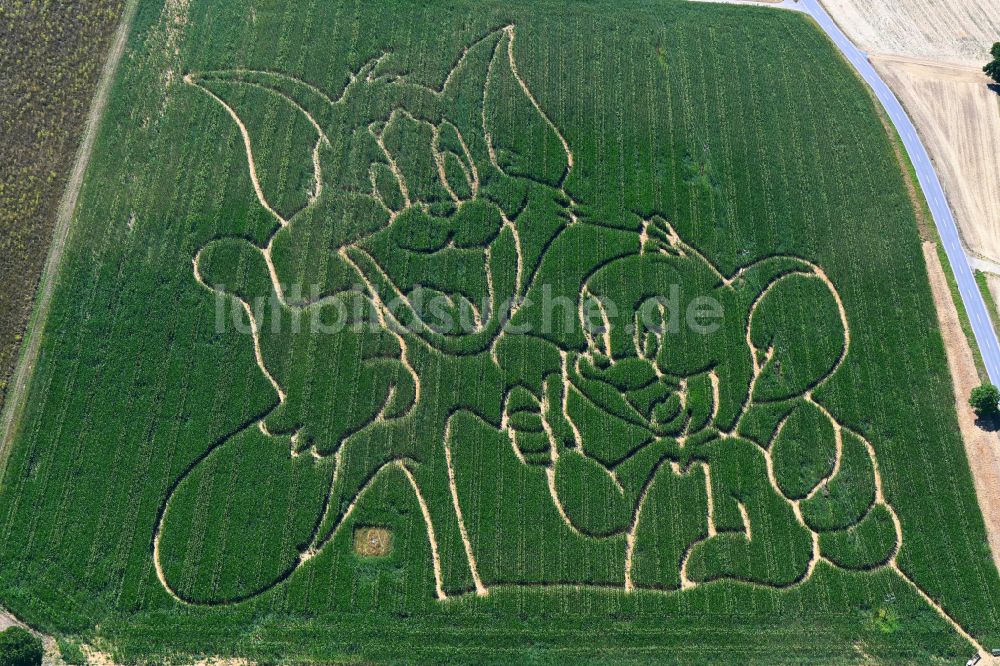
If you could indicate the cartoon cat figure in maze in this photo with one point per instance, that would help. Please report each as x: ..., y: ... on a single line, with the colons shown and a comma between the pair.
x: 454, y: 196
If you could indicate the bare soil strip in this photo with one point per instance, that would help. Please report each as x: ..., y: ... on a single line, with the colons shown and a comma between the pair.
x: 993, y: 281
x: 19, y: 383
x: 982, y: 447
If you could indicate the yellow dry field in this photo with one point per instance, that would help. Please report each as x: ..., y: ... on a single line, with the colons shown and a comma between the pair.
x: 958, y: 118
x: 931, y: 54
x: 953, y: 31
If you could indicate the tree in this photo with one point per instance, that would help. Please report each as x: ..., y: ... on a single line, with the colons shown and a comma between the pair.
x: 19, y: 647
x: 985, y: 400
x: 993, y: 69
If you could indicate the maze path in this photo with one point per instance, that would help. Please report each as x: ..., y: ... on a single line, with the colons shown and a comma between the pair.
x: 653, y: 237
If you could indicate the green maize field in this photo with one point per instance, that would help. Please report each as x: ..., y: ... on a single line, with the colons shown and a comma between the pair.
x: 608, y: 322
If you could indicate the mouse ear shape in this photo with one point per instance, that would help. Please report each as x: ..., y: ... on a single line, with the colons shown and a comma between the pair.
x: 798, y: 335
x: 521, y: 139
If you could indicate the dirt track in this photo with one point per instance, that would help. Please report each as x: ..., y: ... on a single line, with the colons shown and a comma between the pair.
x: 981, y: 447
x: 33, y: 338
x: 7, y: 620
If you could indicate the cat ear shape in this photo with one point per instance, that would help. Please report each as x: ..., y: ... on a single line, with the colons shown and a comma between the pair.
x: 500, y: 120
x: 262, y: 106
x: 460, y: 105
x: 260, y: 103
x: 521, y: 138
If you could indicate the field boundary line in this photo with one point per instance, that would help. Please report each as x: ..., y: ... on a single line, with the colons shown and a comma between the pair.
x: 928, y: 184
x: 23, y: 371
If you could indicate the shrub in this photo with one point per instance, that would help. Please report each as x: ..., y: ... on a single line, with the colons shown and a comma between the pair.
x: 985, y: 400
x: 992, y: 69
x: 71, y: 652
x: 19, y: 647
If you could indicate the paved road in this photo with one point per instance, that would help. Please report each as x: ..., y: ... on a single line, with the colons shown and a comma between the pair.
x: 944, y: 220
x: 943, y: 217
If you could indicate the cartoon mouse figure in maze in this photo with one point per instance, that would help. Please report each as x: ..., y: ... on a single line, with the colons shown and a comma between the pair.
x: 652, y: 392
x: 438, y: 218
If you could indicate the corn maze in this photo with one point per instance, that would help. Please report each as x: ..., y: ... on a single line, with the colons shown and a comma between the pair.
x: 436, y: 331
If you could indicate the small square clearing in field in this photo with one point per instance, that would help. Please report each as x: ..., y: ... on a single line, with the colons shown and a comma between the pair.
x: 372, y: 541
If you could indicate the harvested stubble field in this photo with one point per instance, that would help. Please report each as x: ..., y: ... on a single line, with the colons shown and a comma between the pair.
x: 203, y: 440
x: 959, y: 119
x: 946, y: 31
x: 931, y: 53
